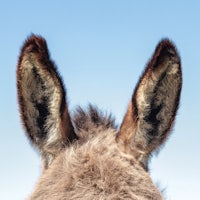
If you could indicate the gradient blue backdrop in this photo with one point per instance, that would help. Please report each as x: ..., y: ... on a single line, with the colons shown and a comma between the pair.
x: 101, y: 48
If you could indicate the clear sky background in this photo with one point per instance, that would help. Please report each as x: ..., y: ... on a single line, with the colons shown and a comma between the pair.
x: 101, y: 48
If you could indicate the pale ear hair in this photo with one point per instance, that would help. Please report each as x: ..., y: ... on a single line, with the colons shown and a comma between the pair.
x: 154, y: 104
x: 42, y: 100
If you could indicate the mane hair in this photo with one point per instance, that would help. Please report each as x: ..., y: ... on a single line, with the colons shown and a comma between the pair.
x: 91, y: 118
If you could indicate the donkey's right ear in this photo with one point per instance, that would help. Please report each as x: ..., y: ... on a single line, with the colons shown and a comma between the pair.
x: 154, y: 104
x: 42, y: 102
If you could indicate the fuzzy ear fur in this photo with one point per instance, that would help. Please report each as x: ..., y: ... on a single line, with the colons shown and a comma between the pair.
x: 154, y: 104
x: 42, y: 100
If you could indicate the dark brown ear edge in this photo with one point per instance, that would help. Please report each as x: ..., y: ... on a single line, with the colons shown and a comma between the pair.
x: 37, y: 44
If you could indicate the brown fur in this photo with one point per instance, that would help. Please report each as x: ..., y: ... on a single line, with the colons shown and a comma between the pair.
x: 86, y: 156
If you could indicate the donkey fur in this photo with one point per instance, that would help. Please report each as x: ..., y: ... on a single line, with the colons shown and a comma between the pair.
x: 86, y: 156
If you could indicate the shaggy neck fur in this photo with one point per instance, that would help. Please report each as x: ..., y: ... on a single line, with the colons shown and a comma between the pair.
x: 94, y: 167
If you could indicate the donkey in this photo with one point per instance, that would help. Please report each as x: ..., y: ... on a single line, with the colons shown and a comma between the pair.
x: 86, y: 156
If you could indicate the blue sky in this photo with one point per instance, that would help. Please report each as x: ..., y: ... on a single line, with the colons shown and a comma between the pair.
x: 101, y: 48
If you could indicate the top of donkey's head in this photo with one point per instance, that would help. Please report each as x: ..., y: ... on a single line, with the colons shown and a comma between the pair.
x: 86, y: 156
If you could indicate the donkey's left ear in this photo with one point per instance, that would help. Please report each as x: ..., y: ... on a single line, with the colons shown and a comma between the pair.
x: 42, y: 100
x: 154, y: 103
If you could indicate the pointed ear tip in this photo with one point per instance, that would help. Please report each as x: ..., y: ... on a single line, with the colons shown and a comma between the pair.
x: 33, y: 37
x: 167, y: 47
x: 34, y: 43
x: 168, y: 44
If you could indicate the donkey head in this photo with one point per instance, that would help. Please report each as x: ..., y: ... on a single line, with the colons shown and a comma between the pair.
x: 86, y: 156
